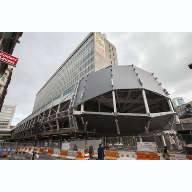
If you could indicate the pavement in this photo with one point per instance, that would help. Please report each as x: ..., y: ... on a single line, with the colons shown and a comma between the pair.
x: 45, y: 157
x: 4, y: 158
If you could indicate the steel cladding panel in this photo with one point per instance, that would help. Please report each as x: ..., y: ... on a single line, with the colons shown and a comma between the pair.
x: 149, y: 81
x: 124, y: 77
x: 97, y: 83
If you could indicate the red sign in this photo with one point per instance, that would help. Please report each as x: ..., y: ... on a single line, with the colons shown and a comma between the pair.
x: 100, y: 49
x: 9, y: 59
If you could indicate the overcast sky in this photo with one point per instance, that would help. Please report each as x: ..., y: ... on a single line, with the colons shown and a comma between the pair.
x: 40, y: 54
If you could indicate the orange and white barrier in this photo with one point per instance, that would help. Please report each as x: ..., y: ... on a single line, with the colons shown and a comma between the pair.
x: 56, y: 153
x: 72, y: 155
x: 124, y: 155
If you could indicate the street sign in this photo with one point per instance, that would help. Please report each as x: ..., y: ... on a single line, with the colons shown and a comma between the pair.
x: 9, y: 59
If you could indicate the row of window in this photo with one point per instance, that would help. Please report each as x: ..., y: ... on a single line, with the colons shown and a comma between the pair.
x: 71, y: 82
x: 59, y: 84
x: 3, y: 123
x: 64, y: 74
x: 87, y: 70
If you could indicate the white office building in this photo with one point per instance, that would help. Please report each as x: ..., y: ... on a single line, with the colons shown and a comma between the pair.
x: 94, y: 53
x: 6, y: 114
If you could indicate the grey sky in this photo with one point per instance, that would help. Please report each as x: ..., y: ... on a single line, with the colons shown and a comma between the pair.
x: 40, y: 54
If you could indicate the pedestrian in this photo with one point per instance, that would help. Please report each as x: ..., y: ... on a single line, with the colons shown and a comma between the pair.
x: 166, y: 154
x: 101, y: 153
x: 75, y: 147
x: 90, y: 151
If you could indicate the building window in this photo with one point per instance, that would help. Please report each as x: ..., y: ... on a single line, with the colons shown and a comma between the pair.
x: 110, y: 56
x: 111, y: 62
x: 113, y: 59
x: 113, y: 54
x: 4, y: 76
x: 112, y: 48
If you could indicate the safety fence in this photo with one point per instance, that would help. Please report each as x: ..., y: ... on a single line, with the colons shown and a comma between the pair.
x: 25, y: 152
x: 82, y: 154
x: 6, y: 148
x: 129, y: 143
x: 80, y: 143
x: 22, y: 155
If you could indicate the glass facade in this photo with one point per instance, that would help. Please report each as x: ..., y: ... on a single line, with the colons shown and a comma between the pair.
x: 181, y: 101
x: 80, y: 64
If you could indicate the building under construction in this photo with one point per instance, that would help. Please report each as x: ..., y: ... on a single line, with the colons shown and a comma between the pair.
x: 117, y: 100
x: 91, y: 89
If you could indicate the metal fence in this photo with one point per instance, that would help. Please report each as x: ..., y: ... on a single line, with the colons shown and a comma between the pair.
x: 129, y: 143
x: 80, y: 143
x: 4, y: 145
x: 181, y: 143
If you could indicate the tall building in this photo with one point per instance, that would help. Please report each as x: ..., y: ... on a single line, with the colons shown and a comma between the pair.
x: 178, y: 101
x: 8, y: 41
x: 5, y: 79
x: 95, y: 52
x: 6, y: 114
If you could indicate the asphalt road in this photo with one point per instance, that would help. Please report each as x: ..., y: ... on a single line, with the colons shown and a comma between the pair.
x: 45, y: 157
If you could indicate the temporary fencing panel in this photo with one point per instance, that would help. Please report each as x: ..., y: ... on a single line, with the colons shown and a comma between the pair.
x: 81, y: 143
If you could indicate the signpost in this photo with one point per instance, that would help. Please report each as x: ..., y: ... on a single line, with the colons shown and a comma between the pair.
x: 8, y: 59
x: 65, y: 146
x: 146, y: 146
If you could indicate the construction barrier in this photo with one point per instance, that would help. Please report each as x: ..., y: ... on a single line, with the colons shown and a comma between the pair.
x: 26, y: 152
x: 147, y: 156
x: 87, y: 151
x: 56, y: 153
x: 111, y: 155
x: 189, y: 157
x: 22, y: 155
x: 46, y: 149
x: 63, y: 154
x: 80, y: 156
x: 25, y: 149
x: 86, y: 156
x: 95, y: 154
x: 72, y: 155
x: 41, y: 151
x: 50, y: 152
x: 127, y: 155
x: 4, y: 152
